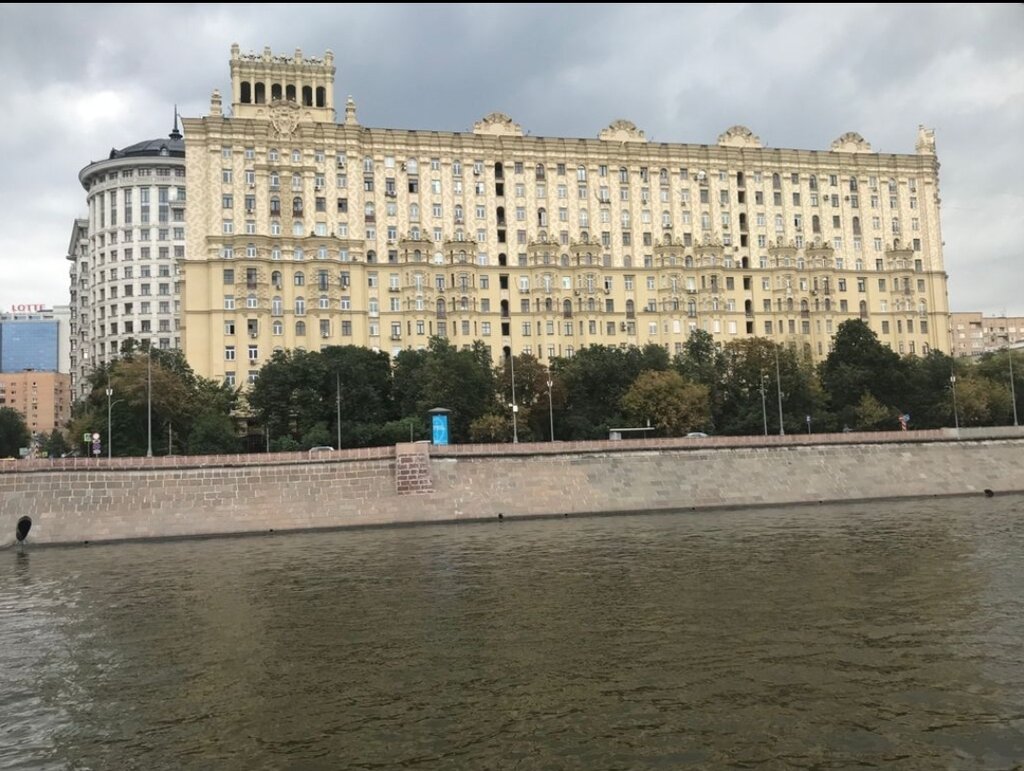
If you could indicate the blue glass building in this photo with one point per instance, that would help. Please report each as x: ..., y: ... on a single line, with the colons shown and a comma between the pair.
x: 29, y: 344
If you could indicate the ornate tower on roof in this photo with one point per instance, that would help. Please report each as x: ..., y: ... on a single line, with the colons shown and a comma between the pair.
x: 287, y: 90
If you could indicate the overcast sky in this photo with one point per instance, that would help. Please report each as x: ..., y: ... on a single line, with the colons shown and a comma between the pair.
x: 81, y: 79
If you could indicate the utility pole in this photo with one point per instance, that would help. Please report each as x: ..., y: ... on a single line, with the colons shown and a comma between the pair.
x: 778, y: 389
x: 515, y: 407
x: 764, y: 405
x: 149, y: 400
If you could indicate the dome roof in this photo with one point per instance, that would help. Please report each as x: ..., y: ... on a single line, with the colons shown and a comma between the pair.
x: 172, y: 145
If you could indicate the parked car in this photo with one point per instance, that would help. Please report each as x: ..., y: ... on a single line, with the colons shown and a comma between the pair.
x: 696, y: 435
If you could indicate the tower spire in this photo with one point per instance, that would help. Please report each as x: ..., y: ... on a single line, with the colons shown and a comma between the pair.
x: 175, y: 134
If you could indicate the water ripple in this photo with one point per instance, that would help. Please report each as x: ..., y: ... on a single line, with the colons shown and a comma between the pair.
x: 883, y: 636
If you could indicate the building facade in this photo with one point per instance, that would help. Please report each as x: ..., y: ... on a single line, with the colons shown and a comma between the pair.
x: 37, y: 339
x: 305, y: 232
x: 43, y: 398
x: 973, y: 334
x: 126, y: 254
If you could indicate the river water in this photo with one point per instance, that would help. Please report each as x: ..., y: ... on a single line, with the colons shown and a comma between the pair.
x: 883, y: 635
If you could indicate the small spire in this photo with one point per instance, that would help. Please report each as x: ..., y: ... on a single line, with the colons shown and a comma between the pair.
x: 350, y: 112
x: 175, y: 134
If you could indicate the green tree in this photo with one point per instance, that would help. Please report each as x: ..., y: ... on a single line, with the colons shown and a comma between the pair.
x: 981, y: 402
x: 592, y: 384
x: 213, y: 433
x: 995, y: 367
x: 14, y: 433
x: 671, y: 403
x: 141, y: 379
x: 927, y: 395
x: 872, y: 415
x: 56, y: 446
x: 490, y: 428
x: 298, y: 393
x: 859, y: 364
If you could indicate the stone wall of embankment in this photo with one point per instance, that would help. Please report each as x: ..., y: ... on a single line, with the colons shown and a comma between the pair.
x: 79, y: 500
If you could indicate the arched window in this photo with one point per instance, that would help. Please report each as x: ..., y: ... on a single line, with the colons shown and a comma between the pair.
x: 548, y: 304
x: 321, y: 96
x: 414, y: 212
x: 300, y: 278
x: 277, y: 328
x: 542, y: 218
x: 581, y: 173
x: 630, y: 309
x: 591, y: 304
x: 863, y: 309
x: 458, y: 212
x: 371, y: 256
x: 246, y: 92
x: 539, y: 173
x: 276, y: 306
x: 289, y: 92
x: 441, y: 310
x: 691, y: 308
x: 297, y: 206
x: 300, y: 328
x: 567, y: 309
x: 464, y: 303
x: 789, y: 304
x: 856, y: 226
x: 275, y: 91
x: 776, y: 182
x: 261, y: 93
x: 307, y: 96
x: 275, y: 279
x: 300, y: 306
x: 804, y: 307
x: 815, y: 224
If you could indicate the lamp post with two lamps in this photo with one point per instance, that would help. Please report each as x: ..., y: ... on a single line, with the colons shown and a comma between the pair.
x: 110, y: 405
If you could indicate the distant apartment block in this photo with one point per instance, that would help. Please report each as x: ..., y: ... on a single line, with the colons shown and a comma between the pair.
x: 972, y: 334
x: 43, y: 398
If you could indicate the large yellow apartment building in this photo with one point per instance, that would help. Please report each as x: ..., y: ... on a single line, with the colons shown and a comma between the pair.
x: 304, y: 232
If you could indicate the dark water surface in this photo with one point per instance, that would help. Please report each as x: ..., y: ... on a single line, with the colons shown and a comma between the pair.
x: 882, y: 635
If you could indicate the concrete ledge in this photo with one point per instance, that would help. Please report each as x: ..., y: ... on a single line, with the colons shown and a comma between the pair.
x: 75, y: 501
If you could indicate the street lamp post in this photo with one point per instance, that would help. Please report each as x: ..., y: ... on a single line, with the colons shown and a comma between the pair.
x: 515, y: 407
x: 149, y: 400
x: 1013, y: 389
x: 110, y: 392
x: 337, y: 391
x: 764, y: 404
x: 778, y: 389
x: 551, y: 410
x: 956, y: 416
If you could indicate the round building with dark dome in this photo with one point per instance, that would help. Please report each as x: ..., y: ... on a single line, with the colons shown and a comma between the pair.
x: 127, y: 253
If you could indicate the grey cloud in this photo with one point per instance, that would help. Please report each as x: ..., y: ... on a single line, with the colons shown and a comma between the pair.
x: 798, y: 76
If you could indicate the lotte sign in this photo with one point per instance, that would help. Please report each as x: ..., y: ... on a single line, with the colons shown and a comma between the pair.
x: 27, y: 308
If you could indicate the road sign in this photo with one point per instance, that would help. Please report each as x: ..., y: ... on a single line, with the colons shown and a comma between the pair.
x: 86, y: 436
x: 95, y: 437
